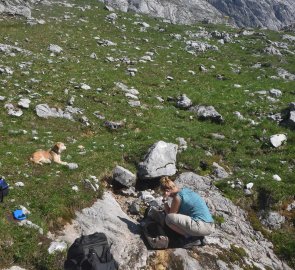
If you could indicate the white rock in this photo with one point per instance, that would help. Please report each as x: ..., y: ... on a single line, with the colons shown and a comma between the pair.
x: 72, y: 166
x: 75, y: 188
x: 85, y: 86
x: 55, y: 48
x: 275, y: 92
x: 249, y: 185
x: 19, y: 184
x: 56, y: 246
x: 25, y: 210
x: 24, y: 103
x: 278, y: 139
x: 93, y: 56
x: 276, y: 177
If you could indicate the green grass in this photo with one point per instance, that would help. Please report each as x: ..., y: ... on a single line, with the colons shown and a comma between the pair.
x: 48, y: 190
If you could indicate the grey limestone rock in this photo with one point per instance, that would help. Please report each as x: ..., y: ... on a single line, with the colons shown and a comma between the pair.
x: 273, y: 14
x: 16, y: 7
x: 24, y: 103
x: 278, y: 139
x: 183, y: 102
x: 55, y: 48
x: 219, y: 171
x: 160, y: 160
x: 44, y: 111
x: 286, y: 74
x: 13, y: 111
x: 13, y: 50
x: 235, y: 228
x: 207, y: 113
x: 106, y: 215
x: 273, y: 220
x: 124, y: 176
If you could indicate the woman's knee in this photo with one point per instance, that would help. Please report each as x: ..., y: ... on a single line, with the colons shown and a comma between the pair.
x: 169, y: 219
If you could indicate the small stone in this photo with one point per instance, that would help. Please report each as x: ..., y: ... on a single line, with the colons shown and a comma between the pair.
x: 249, y: 185
x: 276, y: 177
x: 19, y: 184
x: 278, y: 139
x: 85, y: 86
x: 57, y: 246
x: 73, y: 166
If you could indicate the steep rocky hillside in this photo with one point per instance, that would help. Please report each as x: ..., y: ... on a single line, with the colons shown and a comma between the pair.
x: 273, y: 14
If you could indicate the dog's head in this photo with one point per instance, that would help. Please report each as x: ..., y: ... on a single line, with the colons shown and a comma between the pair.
x: 58, y: 147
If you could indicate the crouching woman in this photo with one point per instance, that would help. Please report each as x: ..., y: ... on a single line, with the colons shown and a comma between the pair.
x: 188, y: 214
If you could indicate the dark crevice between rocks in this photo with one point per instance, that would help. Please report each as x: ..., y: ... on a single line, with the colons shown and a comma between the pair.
x: 144, y: 184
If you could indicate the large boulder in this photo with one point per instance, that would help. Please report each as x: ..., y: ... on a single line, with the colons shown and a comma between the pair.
x: 159, y: 161
x: 16, y: 7
x: 106, y: 216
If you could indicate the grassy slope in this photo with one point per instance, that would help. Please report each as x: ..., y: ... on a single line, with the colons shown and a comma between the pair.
x: 47, y: 192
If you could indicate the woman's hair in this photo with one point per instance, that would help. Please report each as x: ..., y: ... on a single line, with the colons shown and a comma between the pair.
x: 166, y: 183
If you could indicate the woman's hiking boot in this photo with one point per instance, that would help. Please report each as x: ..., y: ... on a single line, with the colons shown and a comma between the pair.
x: 194, y: 241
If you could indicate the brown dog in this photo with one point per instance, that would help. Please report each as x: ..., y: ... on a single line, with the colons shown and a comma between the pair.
x: 41, y: 156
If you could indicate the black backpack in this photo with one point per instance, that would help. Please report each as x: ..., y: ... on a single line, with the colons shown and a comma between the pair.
x: 4, y: 189
x: 90, y: 252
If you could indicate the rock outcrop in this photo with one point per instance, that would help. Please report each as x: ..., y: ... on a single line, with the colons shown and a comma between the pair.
x: 15, y: 7
x: 273, y: 14
x: 233, y: 234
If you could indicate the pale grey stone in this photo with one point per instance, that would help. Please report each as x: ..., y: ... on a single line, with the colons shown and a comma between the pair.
x: 106, y: 216
x: 217, y: 136
x: 275, y: 92
x: 57, y: 247
x: 219, y: 171
x: 44, y: 111
x: 222, y: 265
x: 72, y: 166
x: 198, y: 46
x: 272, y: 50
x: 125, y: 88
x: 278, y: 139
x: 134, y: 103
x: 273, y: 220
x: 24, y: 103
x: 183, y: 102
x: 12, y: 111
x: 160, y: 160
x: 207, y: 113
x: 182, y: 144
x: 124, y: 176
x: 286, y: 74
x: 113, y: 125
x: 55, y: 48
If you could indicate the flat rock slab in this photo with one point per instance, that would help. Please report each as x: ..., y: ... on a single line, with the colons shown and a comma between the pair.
x: 107, y: 216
